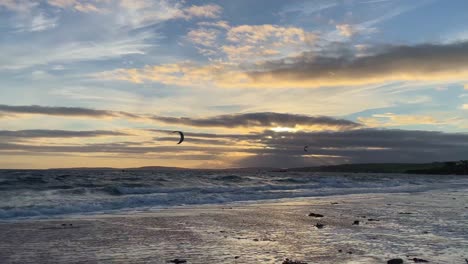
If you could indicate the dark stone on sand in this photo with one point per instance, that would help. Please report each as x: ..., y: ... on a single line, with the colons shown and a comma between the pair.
x: 289, y: 261
x: 418, y: 260
x: 334, y: 203
x: 319, y: 226
x: 373, y: 220
x: 356, y: 222
x: 395, y: 261
x: 425, y: 232
x: 404, y: 213
x: 64, y: 224
x: 315, y: 215
x: 236, y: 257
x: 339, y: 250
x: 349, y: 252
x: 256, y: 240
x: 178, y: 261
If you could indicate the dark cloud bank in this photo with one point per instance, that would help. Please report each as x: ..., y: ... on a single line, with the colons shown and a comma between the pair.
x: 266, y: 119
x: 418, y: 62
x: 286, y: 149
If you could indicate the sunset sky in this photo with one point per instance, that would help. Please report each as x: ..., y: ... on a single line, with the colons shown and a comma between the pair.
x: 88, y: 83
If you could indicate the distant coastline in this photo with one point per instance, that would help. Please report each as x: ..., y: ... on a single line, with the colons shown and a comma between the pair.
x: 446, y: 167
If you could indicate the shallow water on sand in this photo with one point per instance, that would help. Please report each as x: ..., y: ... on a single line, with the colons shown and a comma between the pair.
x: 431, y: 225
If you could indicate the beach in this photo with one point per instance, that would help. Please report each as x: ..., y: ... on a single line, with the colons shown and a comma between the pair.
x: 429, y: 225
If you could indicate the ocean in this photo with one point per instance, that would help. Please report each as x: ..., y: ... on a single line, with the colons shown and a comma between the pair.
x: 26, y: 194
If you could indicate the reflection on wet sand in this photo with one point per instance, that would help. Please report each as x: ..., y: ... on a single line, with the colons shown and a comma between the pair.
x: 254, y: 233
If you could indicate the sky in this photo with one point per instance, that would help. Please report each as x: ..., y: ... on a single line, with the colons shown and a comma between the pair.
x: 103, y: 83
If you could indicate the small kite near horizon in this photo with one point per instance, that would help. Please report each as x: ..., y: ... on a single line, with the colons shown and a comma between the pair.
x: 181, y: 136
x: 305, y: 148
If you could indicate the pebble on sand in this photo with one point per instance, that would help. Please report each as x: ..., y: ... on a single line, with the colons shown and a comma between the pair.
x: 395, y: 261
x: 418, y: 260
x: 319, y: 226
x: 289, y: 261
x: 178, y: 261
x: 356, y: 222
x: 315, y: 215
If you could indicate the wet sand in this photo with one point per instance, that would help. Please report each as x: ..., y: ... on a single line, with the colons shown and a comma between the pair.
x: 431, y: 226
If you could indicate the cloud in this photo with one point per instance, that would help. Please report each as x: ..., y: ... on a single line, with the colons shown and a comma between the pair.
x: 253, y: 41
x: 39, y: 133
x: 218, y: 24
x: 465, y: 106
x: 357, y: 146
x: 81, y: 6
x: 465, y: 87
x: 63, y: 111
x: 246, y: 43
x: 140, y: 13
x: 204, y: 37
x: 266, y: 120
x: 22, y: 6
x: 36, y: 23
x: 20, y: 57
x: 206, y: 11
x: 425, y: 62
x: 390, y: 119
x: 180, y: 74
x: 346, y: 30
x: 41, y: 22
x: 275, y: 149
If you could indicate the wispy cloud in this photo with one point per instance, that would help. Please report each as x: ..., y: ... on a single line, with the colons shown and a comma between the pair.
x: 17, y: 57
x: 63, y: 111
x: 39, y: 133
x: 35, y: 23
x: 78, y: 5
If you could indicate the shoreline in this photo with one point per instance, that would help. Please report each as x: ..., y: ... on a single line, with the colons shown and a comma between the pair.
x: 255, y: 232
